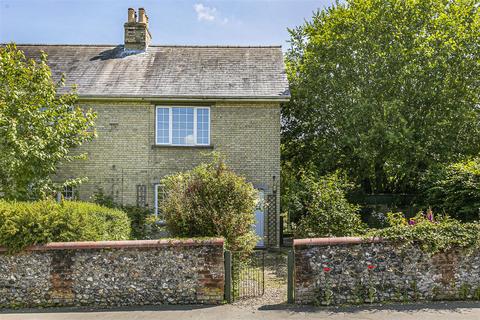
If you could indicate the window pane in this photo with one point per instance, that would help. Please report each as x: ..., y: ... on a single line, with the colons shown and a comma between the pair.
x: 68, y: 193
x: 182, y: 131
x: 203, y: 133
x: 163, y: 118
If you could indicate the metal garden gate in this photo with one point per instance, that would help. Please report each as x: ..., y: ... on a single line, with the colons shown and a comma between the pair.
x: 248, y: 275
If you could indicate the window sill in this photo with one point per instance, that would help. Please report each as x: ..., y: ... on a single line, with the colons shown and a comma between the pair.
x: 168, y: 146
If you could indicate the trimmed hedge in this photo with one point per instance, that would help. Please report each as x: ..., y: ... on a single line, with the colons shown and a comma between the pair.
x: 28, y: 223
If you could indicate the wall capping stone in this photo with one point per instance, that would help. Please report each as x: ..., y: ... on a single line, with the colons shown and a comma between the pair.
x: 124, y: 244
x: 334, y: 241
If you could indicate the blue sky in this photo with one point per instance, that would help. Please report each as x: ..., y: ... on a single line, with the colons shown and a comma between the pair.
x: 224, y: 22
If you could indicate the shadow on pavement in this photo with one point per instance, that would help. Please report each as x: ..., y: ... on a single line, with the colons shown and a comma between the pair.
x: 452, y: 306
x: 107, y: 309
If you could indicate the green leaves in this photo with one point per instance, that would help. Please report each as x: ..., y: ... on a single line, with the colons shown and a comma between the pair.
x: 441, y: 235
x: 38, y: 126
x: 384, y: 89
x: 327, y: 211
x: 455, y: 189
x: 211, y: 200
x: 29, y: 223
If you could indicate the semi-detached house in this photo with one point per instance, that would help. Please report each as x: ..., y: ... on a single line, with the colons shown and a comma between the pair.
x: 161, y: 108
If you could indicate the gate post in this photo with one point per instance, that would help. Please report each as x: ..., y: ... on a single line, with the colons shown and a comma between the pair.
x: 228, y: 276
x: 291, y: 275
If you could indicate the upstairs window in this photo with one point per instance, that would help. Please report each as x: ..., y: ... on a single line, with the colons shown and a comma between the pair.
x: 182, y: 126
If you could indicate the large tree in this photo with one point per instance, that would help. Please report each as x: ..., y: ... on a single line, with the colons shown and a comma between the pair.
x: 384, y: 89
x: 38, y: 126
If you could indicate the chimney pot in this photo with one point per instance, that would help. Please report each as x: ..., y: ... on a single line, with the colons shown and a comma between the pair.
x: 142, y: 17
x: 132, y: 16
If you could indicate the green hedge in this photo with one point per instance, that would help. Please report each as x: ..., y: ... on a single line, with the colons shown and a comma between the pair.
x: 27, y: 223
x: 433, y: 233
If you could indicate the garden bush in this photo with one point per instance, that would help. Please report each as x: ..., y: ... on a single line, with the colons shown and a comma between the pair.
x: 433, y: 234
x: 29, y: 223
x: 211, y: 200
x: 140, y: 217
x: 328, y: 213
x: 455, y: 190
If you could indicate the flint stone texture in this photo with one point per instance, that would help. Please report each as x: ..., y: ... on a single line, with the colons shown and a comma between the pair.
x: 355, y: 271
x: 145, y: 273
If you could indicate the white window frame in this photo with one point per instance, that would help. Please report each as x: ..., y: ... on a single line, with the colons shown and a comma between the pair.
x: 66, y: 192
x: 170, y: 126
x: 157, y: 186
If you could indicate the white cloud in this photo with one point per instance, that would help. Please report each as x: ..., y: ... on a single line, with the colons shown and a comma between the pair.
x: 209, y: 14
x: 205, y: 13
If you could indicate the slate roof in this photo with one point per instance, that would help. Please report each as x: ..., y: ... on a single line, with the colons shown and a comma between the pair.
x: 169, y: 71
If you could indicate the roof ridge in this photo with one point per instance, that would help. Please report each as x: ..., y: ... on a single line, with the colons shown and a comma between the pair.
x: 61, y: 45
x: 155, y: 45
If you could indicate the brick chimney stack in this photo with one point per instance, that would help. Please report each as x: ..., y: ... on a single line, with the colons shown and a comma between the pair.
x: 137, y: 35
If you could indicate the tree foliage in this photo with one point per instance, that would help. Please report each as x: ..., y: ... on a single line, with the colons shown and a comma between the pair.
x: 455, y: 189
x: 38, y: 126
x: 327, y: 212
x: 211, y: 200
x: 384, y: 89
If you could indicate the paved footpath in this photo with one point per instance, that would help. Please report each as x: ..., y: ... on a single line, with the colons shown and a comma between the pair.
x: 431, y: 311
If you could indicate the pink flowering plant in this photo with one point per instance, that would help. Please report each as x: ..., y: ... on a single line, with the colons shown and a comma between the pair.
x: 433, y: 232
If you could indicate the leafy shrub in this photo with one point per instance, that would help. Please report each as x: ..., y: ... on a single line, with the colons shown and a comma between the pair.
x: 138, y: 221
x: 329, y: 214
x: 28, y: 223
x: 295, y: 193
x: 154, y: 228
x: 103, y: 199
x: 434, y: 234
x: 211, y: 200
x: 141, y: 227
x: 455, y: 190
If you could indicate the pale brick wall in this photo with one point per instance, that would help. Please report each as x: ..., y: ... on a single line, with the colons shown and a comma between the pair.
x: 123, y: 155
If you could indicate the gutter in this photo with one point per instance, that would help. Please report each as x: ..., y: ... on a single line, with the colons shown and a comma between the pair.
x: 185, y: 98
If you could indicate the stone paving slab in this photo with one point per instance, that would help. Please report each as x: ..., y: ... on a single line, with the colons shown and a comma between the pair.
x: 430, y: 311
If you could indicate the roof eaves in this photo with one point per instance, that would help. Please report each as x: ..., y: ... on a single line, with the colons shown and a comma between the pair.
x: 153, y: 45
x: 282, y: 98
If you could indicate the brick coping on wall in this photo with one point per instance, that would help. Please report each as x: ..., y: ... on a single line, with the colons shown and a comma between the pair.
x: 334, y: 241
x: 124, y: 244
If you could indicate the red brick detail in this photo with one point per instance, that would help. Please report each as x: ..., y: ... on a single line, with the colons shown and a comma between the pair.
x: 125, y: 244
x: 334, y: 241
x: 446, y: 263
